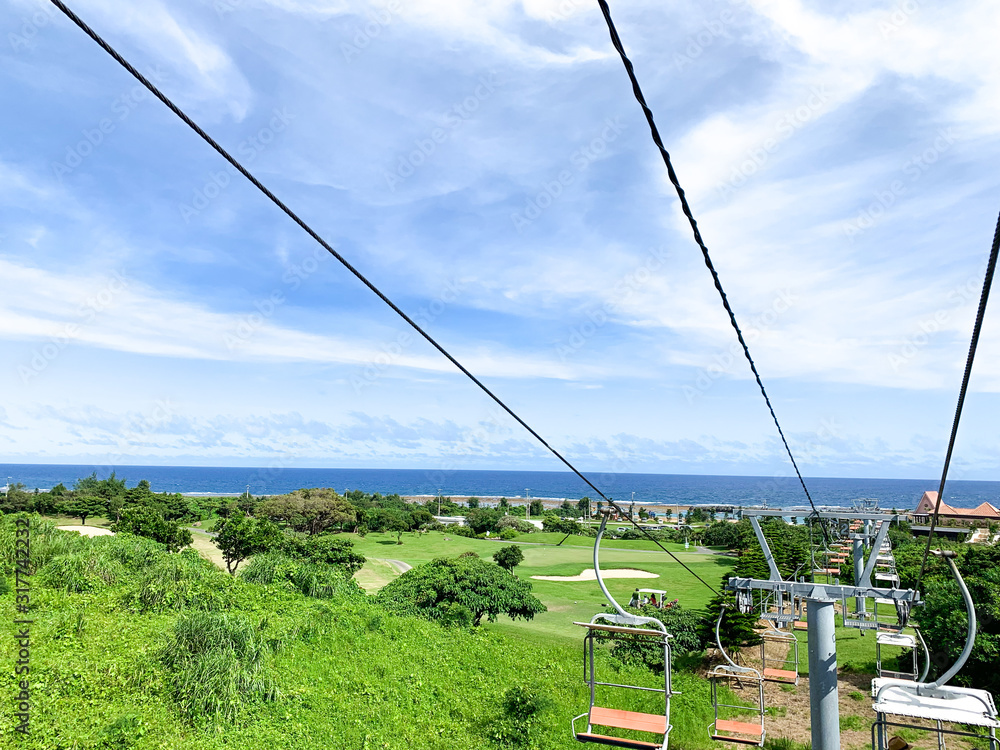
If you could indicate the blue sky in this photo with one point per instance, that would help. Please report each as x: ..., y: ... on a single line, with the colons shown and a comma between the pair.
x: 485, y: 164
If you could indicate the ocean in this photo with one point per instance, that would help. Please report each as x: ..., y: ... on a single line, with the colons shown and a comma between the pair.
x: 666, y: 489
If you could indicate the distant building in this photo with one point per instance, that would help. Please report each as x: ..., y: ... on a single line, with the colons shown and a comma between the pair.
x: 925, y: 509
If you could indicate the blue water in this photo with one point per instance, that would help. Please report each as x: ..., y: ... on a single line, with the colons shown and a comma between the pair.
x: 672, y: 489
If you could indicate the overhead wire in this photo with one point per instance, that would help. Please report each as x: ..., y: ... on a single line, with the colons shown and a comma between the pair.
x: 654, y: 131
x: 980, y: 313
x: 330, y: 249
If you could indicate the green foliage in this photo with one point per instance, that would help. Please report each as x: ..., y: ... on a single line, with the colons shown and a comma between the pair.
x: 481, y: 520
x: 685, y: 625
x: 81, y: 571
x: 516, y: 524
x: 325, y: 549
x: 148, y: 521
x: 218, y: 663
x: 82, y: 507
x: 736, y: 630
x: 943, y: 618
x: 178, y: 582
x: 509, y: 557
x: 461, y: 531
x: 483, y: 588
x: 310, y: 510
x: 519, y: 718
x: 241, y: 536
x: 536, y: 508
x: 473, y: 502
x: 729, y: 535
x: 124, y: 733
x: 312, y: 579
x: 552, y: 522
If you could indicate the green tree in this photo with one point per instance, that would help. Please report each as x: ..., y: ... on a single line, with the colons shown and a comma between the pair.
x: 503, y: 505
x: 436, y: 589
x: 473, y: 502
x: 390, y: 520
x: 241, y: 536
x: 508, y: 557
x: 83, y: 507
x: 583, y: 505
x: 147, y: 521
x: 536, y: 508
x: 552, y: 522
x: 310, y: 510
x: 327, y: 550
x: 482, y: 520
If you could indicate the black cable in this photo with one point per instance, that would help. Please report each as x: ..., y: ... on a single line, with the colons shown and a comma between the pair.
x: 987, y: 283
x: 617, y: 42
x: 312, y: 233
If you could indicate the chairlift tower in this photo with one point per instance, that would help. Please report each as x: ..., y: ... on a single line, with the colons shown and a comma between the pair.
x: 820, y: 600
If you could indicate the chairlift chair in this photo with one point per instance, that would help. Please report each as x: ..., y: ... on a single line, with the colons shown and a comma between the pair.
x: 730, y: 673
x: 899, y: 640
x: 777, y: 673
x: 937, y: 702
x: 623, y: 625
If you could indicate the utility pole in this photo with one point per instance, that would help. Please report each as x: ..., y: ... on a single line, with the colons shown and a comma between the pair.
x: 439, y: 501
x: 527, y: 504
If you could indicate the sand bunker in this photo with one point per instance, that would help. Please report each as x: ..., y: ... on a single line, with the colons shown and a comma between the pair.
x: 87, y: 530
x: 588, y: 575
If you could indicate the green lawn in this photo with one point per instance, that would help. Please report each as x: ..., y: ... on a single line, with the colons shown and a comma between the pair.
x: 567, y: 601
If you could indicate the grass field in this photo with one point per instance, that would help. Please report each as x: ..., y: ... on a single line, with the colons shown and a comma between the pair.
x: 567, y: 601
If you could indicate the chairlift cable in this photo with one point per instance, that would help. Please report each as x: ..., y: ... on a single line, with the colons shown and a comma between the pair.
x: 617, y: 42
x: 329, y: 248
x: 987, y: 283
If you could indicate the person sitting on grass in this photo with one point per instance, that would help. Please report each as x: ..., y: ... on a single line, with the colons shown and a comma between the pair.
x: 652, y: 600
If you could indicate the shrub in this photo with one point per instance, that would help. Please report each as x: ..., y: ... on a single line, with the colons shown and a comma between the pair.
x: 519, y: 525
x: 326, y: 549
x: 518, y: 718
x: 308, y: 578
x: 483, y: 588
x: 122, y: 734
x: 82, y: 571
x: 178, y: 582
x: 508, y: 534
x: 462, y: 531
x: 218, y: 664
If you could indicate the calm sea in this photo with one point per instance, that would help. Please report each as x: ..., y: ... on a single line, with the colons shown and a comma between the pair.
x: 673, y: 489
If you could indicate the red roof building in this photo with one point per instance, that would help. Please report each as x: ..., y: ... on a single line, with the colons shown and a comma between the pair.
x: 925, y: 509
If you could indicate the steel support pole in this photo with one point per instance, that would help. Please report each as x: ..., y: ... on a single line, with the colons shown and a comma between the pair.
x: 859, y: 566
x: 823, y: 675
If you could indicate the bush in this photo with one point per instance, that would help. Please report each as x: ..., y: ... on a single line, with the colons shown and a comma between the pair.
x: 462, y: 531
x: 326, y: 549
x: 483, y: 588
x: 80, y: 572
x: 508, y: 534
x: 218, y: 664
x: 178, y: 582
x: 519, y: 525
x: 308, y: 578
x: 519, y: 717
